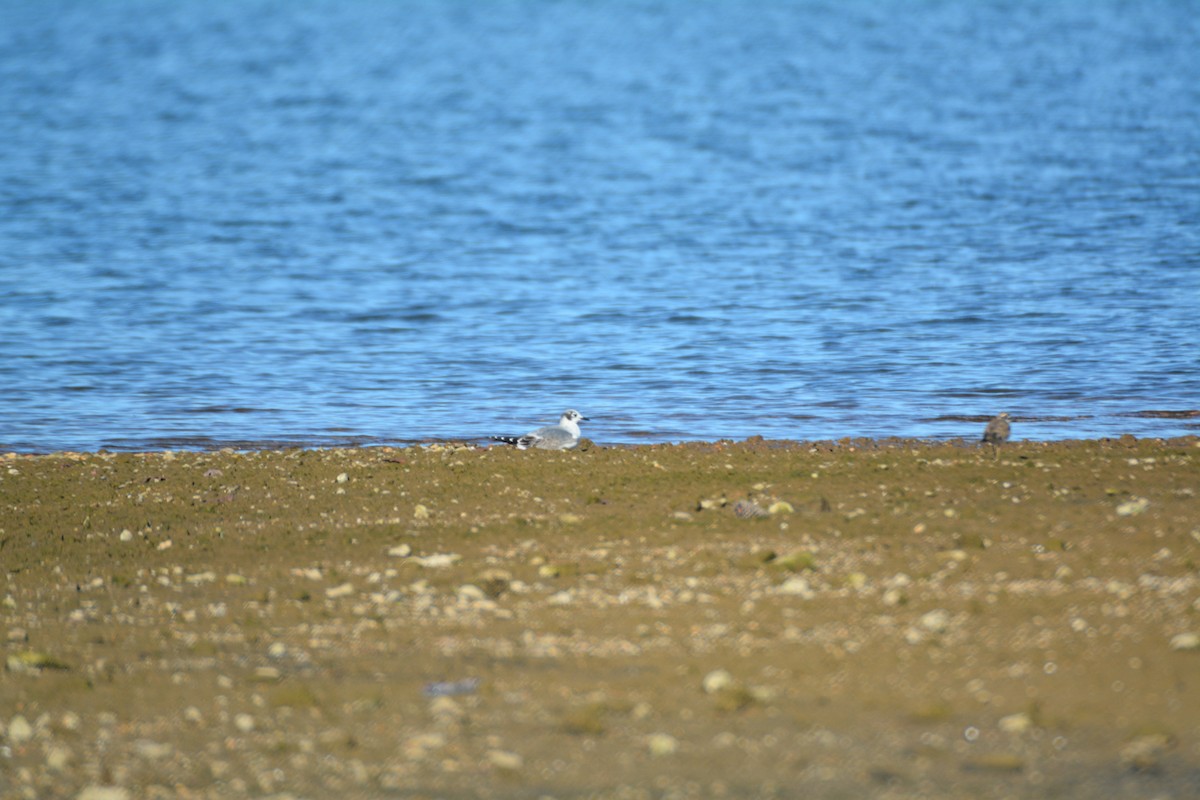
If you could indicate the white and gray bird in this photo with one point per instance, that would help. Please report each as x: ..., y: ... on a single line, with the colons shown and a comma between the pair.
x: 563, y: 436
x: 997, y: 430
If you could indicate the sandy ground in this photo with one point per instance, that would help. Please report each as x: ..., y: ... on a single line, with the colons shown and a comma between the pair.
x: 759, y: 619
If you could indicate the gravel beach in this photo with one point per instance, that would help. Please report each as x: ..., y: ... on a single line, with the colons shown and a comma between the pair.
x: 885, y: 619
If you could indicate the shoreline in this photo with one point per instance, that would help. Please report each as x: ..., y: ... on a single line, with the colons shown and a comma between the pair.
x: 755, y: 618
x: 190, y: 445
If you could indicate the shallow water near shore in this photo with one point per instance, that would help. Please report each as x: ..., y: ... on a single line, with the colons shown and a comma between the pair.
x: 332, y: 223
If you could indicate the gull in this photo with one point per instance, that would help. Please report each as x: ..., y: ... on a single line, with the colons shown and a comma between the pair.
x: 997, y: 429
x: 563, y: 436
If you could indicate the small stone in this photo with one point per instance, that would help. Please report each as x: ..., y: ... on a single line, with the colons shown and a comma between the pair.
x: 233, y: 579
x: 796, y: 586
x: 549, y: 571
x: 244, y: 723
x: 570, y: 519
x: 420, y: 512
x: 469, y: 591
x: 682, y: 516
x: 662, y: 744
x: 717, y: 680
x: 856, y: 580
x: 19, y: 730
x: 343, y: 477
x: 165, y: 544
x: 936, y: 621
x: 505, y: 760
x: 344, y: 590
x: 400, y: 551
x: 799, y: 561
x: 152, y: 751
x: 1135, y: 506
x: 1144, y: 754
x: 96, y: 792
x: 446, y: 710
x: 1015, y: 723
x: 780, y: 507
x: 126, y: 535
x: 193, y: 715
x: 58, y: 759
x: 438, y: 560
x: 1186, y: 642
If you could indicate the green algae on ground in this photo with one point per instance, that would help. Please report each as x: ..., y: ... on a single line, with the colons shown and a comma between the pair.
x: 272, y: 622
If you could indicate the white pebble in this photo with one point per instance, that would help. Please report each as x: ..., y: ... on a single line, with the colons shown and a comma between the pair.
x: 797, y: 586
x: 1185, y: 642
x: 1015, y: 723
x: 662, y: 744
x: 95, y: 792
x: 19, y: 730
x: 936, y: 621
x: 717, y: 680
x: 505, y: 760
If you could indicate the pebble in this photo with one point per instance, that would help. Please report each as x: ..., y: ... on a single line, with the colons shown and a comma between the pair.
x: 400, y: 551
x: 19, y: 730
x: 469, y: 591
x: 796, y: 586
x: 1135, y: 506
x: 420, y: 512
x: 936, y: 621
x: 343, y: 477
x: 126, y: 535
x: 244, y: 723
x: 1144, y: 754
x: 717, y: 680
x: 662, y: 744
x: 58, y: 759
x: 1186, y: 642
x: 438, y: 560
x: 96, y: 792
x: 505, y: 760
x: 152, y: 751
x: 1015, y: 723
x: 780, y: 507
x: 344, y: 590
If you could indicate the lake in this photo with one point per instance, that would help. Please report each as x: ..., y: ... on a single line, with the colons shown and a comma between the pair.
x: 326, y: 222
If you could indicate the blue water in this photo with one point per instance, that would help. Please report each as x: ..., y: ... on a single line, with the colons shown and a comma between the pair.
x: 351, y: 221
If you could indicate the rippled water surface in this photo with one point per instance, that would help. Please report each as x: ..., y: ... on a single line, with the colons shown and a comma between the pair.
x: 334, y: 221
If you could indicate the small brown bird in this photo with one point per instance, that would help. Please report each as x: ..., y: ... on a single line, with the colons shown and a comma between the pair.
x: 997, y: 429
